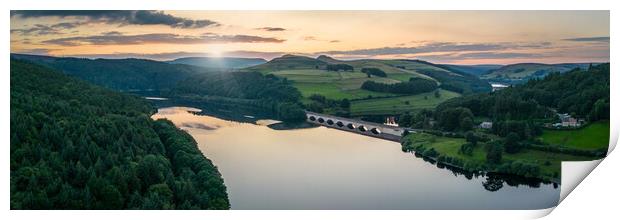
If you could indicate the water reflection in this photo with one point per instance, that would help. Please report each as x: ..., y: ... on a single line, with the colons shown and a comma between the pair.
x: 511, y: 180
x: 322, y: 168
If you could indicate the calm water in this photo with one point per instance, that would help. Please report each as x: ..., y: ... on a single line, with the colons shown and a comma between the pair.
x: 322, y: 168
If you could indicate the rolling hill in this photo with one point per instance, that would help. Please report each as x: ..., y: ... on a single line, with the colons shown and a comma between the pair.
x: 522, y: 72
x: 119, y: 74
x: 288, y: 62
x: 310, y: 76
x: 219, y: 62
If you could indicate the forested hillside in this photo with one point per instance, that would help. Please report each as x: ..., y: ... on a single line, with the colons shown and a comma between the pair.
x: 522, y: 72
x: 519, y: 139
x: 78, y: 146
x: 476, y: 70
x: 581, y: 93
x: 268, y: 93
x: 119, y: 74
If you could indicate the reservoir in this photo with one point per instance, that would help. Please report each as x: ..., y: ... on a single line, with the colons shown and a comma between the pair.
x: 323, y: 168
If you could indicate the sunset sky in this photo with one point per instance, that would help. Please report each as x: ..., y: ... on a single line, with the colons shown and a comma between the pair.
x: 459, y: 37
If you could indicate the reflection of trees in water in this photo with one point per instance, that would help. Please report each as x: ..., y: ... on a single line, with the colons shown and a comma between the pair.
x: 494, y: 181
x: 218, y: 110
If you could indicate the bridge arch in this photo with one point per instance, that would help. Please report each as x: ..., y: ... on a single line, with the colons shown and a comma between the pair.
x: 351, y: 126
x: 375, y: 131
x: 321, y: 120
x: 362, y: 128
x: 330, y: 122
x: 340, y: 124
x: 312, y: 118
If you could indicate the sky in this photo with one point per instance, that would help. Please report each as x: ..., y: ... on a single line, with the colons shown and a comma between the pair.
x: 455, y: 37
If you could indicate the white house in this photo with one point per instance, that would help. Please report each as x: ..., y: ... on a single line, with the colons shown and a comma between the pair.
x: 568, y: 121
x: 486, y: 125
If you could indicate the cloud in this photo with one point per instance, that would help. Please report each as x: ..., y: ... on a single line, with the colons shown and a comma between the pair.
x: 174, y: 55
x: 271, y: 29
x: 112, y: 33
x: 37, y: 29
x: 478, y: 55
x: 309, y: 38
x: 121, y: 17
x: 440, y: 47
x: 313, y: 38
x: 40, y: 29
x: 117, y: 38
x: 152, y: 56
x: 37, y: 51
x: 67, y: 25
x: 589, y: 39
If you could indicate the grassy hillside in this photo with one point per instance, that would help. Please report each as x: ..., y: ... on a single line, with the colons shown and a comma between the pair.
x: 592, y: 137
x: 219, y: 62
x: 519, y: 73
x: 401, y: 104
x: 335, y: 85
x: 388, y: 66
x: 310, y: 76
x: 289, y: 62
x: 79, y: 146
x: 119, y: 74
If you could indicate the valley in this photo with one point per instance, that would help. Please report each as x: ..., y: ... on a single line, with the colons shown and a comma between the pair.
x: 204, y: 109
x: 441, y: 105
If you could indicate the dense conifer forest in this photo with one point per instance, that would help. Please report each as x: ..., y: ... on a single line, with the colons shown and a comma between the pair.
x: 265, y: 93
x: 80, y: 146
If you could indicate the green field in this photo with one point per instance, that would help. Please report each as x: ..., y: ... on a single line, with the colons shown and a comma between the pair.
x: 402, y: 104
x: 390, y: 70
x: 593, y: 136
x: 549, y: 162
x: 332, y: 91
x: 309, y: 76
x: 341, y: 85
x: 333, y: 85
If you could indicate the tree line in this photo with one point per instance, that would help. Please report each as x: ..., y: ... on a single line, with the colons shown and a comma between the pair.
x: 78, y: 146
x: 412, y: 87
x: 321, y: 104
x: 339, y: 67
x: 266, y: 93
x: 374, y: 71
x: 458, y: 82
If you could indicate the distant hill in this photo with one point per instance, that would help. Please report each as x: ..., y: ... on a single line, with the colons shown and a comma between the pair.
x: 474, y: 69
x: 522, y: 72
x: 120, y: 74
x: 288, y: 62
x: 219, y: 62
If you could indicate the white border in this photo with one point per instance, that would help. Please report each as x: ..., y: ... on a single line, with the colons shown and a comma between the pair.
x: 593, y: 199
